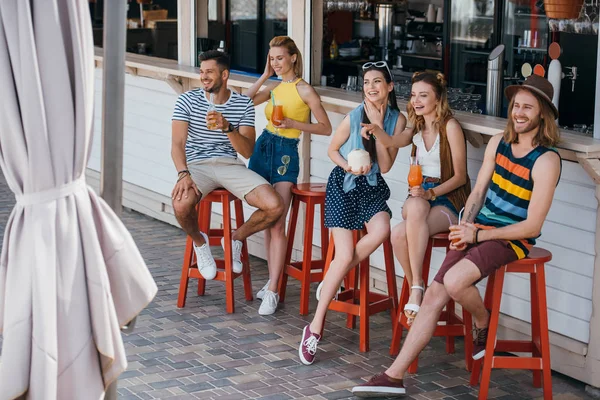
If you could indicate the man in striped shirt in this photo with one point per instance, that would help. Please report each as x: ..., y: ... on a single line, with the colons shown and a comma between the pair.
x: 505, y: 213
x: 210, y: 127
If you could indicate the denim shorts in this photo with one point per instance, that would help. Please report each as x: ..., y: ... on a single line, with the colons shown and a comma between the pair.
x: 276, y: 158
x: 439, y: 200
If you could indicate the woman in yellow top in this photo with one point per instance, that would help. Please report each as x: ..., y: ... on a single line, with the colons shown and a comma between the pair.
x: 275, y: 155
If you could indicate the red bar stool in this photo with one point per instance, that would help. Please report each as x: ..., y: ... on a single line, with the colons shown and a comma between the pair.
x: 224, y: 266
x: 356, y: 299
x: 307, y: 270
x: 453, y: 325
x: 538, y: 346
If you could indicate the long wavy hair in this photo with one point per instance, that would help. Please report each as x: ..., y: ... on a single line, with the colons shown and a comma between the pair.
x: 369, y: 144
x: 443, y: 114
x: 548, y: 134
x: 290, y: 46
x: 437, y: 82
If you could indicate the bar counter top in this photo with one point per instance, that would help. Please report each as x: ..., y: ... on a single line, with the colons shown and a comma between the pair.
x: 342, y: 101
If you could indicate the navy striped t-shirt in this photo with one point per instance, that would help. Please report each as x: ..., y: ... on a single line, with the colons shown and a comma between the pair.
x: 203, y: 143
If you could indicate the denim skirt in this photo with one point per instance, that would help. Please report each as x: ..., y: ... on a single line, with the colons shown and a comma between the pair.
x: 276, y: 158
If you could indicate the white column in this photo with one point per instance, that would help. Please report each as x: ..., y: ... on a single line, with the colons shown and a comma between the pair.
x: 597, y: 97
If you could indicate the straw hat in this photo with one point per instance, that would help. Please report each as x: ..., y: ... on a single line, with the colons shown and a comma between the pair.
x: 537, y: 84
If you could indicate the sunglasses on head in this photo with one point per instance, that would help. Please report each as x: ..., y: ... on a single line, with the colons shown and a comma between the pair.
x: 378, y: 64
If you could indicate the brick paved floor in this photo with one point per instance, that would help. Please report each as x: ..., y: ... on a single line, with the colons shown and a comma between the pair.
x: 200, y: 352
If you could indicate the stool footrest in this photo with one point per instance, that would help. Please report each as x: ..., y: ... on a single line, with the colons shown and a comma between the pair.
x: 531, y: 363
x: 377, y: 303
x: 195, y: 273
x: 449, y: 330
x: 314, y: 264
x: 315, y: 276
x: 515, y: 346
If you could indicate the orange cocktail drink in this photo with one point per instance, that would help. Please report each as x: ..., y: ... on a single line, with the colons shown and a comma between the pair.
x: 277, y: 116
x: 415, y: 174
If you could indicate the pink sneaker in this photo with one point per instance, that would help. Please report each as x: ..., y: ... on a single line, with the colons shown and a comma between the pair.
x: 308, y: 346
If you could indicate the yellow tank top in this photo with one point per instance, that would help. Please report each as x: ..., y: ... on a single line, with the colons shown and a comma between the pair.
x: 294, y: 108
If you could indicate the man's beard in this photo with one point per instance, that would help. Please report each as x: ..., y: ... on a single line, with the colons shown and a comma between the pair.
x: 533, y: 124
x: 216, y: 87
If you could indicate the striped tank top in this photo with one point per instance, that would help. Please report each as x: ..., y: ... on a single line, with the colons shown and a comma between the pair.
x: 509, y: 194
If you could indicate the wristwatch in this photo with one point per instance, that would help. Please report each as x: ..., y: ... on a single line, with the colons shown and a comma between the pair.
x: 229, y: 128
x: 433, y: 196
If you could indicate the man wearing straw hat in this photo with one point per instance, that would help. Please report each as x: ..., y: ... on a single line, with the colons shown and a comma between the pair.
x: 504, y: 215
x: 210, y: 127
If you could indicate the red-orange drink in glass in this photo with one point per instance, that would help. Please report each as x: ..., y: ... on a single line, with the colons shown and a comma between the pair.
x: 456, y: 240
x: 277, y: 116
x: 415, y: 175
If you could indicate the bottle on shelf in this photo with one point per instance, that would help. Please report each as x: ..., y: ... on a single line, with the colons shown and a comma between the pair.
x: 333, y: 49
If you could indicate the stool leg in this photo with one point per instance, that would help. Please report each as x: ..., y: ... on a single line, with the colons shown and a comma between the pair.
x: 204, y: 226
x: 239, y: 221
x: 487, y: 302
x: 468, y: 334
x: 450, y: 310
x: 535, y: 327
x: 492, y: 332
x: 324, y: 232
x: 390, y: 276
x: 398, y: 327
x: 185, y: 270
x: 291, y: 231
x: 353, y: 281
x: 307, y: 256
x: 230, y: 306
x: 364, y: 305
x: 426, y: 264
x: 544, y: 336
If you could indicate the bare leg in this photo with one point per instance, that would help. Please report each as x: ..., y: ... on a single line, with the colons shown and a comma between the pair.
x: 346, y: 257
x: 277, y: 245
x: 459, y: 282
x: 185, y: 212
x: 400, y: 245
x: 270, y: 208
x: 421, y: 331
x: 417, y: 237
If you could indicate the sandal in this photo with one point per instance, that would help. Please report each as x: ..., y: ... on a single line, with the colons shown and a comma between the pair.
x: 413, y: 307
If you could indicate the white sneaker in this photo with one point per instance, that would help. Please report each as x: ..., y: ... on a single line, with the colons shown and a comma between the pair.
x: 206, y: 263
x: 261, y: 293
x: 236, y: 250
x: 269, y: 303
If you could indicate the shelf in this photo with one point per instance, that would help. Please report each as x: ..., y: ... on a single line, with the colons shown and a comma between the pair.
x: 474, y: 83
x: 479, y: 52
x: 531, y: 49
x: 530, y: 15
x: 420, y: 56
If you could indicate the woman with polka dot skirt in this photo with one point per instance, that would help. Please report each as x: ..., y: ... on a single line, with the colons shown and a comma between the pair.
x: 357, y: 198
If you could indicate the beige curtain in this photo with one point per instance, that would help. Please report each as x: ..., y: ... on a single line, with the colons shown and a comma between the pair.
x: 70, y: 273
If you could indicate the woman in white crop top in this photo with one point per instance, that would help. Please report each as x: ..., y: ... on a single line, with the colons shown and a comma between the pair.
x: 440, y: 147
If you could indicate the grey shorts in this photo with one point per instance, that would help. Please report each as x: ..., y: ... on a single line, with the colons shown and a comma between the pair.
x: 225, y: 172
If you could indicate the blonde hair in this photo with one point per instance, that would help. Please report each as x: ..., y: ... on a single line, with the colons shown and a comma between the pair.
x: 442, y: 111
x: 292, y: 49
x: 547, y: 135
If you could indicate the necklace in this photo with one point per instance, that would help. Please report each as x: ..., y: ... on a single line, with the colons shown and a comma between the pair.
x: 291, y: 80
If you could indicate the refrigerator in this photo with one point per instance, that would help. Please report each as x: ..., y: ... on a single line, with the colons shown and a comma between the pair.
x: 477, y: 26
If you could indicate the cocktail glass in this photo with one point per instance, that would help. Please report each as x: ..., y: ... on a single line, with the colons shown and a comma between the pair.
x: 415, y: 174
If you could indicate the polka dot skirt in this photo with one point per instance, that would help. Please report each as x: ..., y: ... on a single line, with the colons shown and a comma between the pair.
x: 351, y: 210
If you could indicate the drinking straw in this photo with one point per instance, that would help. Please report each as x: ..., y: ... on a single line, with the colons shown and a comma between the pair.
x: 448, y: 216
x: 460, y: 214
